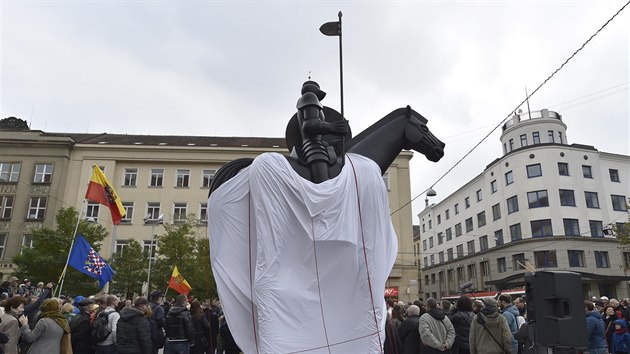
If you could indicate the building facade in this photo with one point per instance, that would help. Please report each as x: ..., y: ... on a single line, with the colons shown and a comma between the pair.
x: 155, y: 176
x: 545, y: 205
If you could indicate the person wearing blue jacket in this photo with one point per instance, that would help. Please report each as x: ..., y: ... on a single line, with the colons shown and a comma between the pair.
x: 595, y: 330
x: 510, y: 312
x: 621, y: 338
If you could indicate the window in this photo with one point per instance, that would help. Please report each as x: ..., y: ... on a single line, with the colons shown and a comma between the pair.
x: 619, y: 202
x: 538, y: 199
x: 131, y: 177
x: 120, y: 246
x: 157, y: 177
x: 511, y: 144
x: 481, y: 219
x: 536, y: 137
x: 518, y: 261
x: 426, y: 279
x: 449, y: 234
x: 560, y: 137
x: 485, y: 268
x: 424, y: 228
x: 9, y: 171
x: 6, y: 206
x: 426, y: 262
x: 550, y: 135
x: 534, y: 171
x: 433, y: 278
x: 571, y: 227
x: 179, y: 212
x: 149, y: 247
x: 591, y: 200
x: 3, y: 243
x: 460, y: 251
x: 597, y: 228
x: 467, y: 202
x: 206, y: 177
x: 472, y: 271
x: 483, y: 243
x: 456, y: 207
x: 447, y: 214
x: 587, y: 172
x: 512, y: 204
x: 576, y: 258
x: 439, y: 219
x: 471, y: 247
x: 614, y: 175
x: 440, y: 237
x: 91, y: 211
x: 567, y: 198
x: 431, y: 242
x: 523, y: 140
x: 541, y: 228
x: 43, y: 173
x: 153, y: 211
x: 449, y: 254
x: 509, y: 178
x: 601, y: 259
x: 563, y: 169
x: 515, y: 232
x: 203, y: 213
x: 128, y: 213
x: 469, y: 225
x: 626, y: 260
x: 441, y: 257
x: 36, y: 208
x: 424, y: 245
x: 501, y: 266
x: 546, y: 259
x: 493, y: 186
x: 458, y: 229
x: 498, y: 237
x: 430, y: 225
x: 432, y: 259
x: 496, y: 212
x: 183, y: 178
x: 27, y: 242
x: 479, y: 196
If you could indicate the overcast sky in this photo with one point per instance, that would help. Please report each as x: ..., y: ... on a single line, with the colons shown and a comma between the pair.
x: 235, y: 68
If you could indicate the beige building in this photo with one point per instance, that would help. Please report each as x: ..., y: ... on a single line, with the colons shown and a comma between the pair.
x: 41, y: 172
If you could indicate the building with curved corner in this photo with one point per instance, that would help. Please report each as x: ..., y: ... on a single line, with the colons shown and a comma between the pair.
x: 545, y: 204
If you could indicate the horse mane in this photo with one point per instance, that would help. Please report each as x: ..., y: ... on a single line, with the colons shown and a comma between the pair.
x: 378, y: 125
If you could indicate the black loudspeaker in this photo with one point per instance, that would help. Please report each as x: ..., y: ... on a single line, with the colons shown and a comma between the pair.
x: 555, y: 309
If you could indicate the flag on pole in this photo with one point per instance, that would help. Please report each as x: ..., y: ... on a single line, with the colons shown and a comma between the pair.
x: 178, y: 283
x: 101, y: 191
x: 87, y: 261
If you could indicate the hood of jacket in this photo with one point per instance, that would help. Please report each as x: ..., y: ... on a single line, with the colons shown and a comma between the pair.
x: 128, y: 313
x: 490, y: 317
x: 512, y: 309
x: 437, y: 314
x: 622, y: 323
x: 595, y: 314
x: 176, y: 310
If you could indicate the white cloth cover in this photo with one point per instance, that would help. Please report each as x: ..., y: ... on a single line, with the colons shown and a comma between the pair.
x: 289, y: 257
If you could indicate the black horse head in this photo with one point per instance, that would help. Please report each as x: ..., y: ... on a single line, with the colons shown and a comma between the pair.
x: 418, y: 137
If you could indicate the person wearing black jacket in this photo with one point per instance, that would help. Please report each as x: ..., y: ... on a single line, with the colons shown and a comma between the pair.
x: 408, y: 332
x: 80, y: 328
x: 202, y: 328
x: 461, y: 320
x: 157, y: 321
x: 180, y: 334
x: 133, y: 335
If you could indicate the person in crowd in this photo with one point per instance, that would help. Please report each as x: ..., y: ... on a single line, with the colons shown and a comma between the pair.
x: 392, y: 344
x: 38, y: 290
x: 595, y: 330
x: 609, y: 318
x: 180, y: 333
x: 526, y: 344
x: 447, y: 307
x: 9, y: 325
x: 509, y: 311
x: 133, y: 333
x: 25, y: 289
x: 157, y: 321
x: 623, y: 307
x: 201, y: 326
x: 31, y: 308
x: 108, y: 346
x: 477, y: 306
x: 80, y: 328
x: 604, y: 300
x: 45, y: 338
x: 489, y: 331
x: 5, y: 288
x: 521, y: 306
x: 228, y: 342
x: 436, y: 330
x: 212, y: 313
x: 599, y: 306
x: 14, y: 283
x: 621, y: 338
x: 615, y: 304
x: 397, y: 317
x: 408, y: 332
x: 461, y: 320
x: 68, y: 311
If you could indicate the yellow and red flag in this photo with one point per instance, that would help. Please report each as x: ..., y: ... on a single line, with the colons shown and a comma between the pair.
x: 101, y: 191
x: 178, y: 283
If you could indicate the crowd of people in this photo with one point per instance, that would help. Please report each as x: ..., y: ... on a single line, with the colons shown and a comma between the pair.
x: 492, y: 326
x: 32, y: 321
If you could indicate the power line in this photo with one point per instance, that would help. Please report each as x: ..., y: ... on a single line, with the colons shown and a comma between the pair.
x: 519, y: 105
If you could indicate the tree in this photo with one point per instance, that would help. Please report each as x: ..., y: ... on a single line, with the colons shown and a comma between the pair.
x: 131, y: 270
x: 622, y: 232
x: 184, y: 246
x: 47, y: 258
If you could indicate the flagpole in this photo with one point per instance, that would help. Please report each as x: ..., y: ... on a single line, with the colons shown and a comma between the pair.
x: 62, y: 278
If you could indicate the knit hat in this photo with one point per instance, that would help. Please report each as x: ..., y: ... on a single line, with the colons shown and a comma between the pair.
x: 490, y: 302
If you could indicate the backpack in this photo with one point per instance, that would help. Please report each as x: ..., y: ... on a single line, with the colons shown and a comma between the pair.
x: 99, y: 331
x: 520, y: 320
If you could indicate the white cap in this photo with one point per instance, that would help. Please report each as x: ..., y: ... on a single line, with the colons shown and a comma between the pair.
x: 604, y: 298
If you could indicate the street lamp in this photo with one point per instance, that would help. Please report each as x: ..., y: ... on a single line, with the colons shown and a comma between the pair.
x: 430, y: 193
x: 148, y: 220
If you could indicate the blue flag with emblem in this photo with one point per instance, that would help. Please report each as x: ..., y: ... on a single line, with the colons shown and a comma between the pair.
x: 87, y: 261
